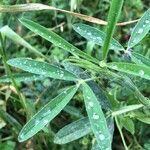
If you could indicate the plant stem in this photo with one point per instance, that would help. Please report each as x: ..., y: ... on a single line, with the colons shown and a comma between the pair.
x: 8, y: 72
x: 121, y: 134
x: 113, y: 16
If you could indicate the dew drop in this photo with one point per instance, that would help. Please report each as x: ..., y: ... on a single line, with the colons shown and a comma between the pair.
x: 114, y: 67
x: 37, y: 122
x: 141, y: 72
x: 89, y: 33
x: 95, y: 116
x: 45, y: 121
x: 78, y: 28
x: 102, y: 137
x: 140, y: 31
x: 147, y: 21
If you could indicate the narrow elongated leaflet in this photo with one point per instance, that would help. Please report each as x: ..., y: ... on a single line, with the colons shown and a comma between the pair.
x: 21, y: 77
x: 78, y: 129
x: 140, y: 59
x: 73, y: 131
x: 140, y: 30
x: 55, y: 39
x: 9, y: 33
x: 96, y: 36
x: 97, y: 118
x: 133, y: 69
x: 46, y: 114
x: 127, y: 109
x: 41, y: 68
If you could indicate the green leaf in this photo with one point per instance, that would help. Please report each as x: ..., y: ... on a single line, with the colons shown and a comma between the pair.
x: 73, y: 111
x: 46, y: 114
x: 73, y: 131
x: 95, y: 35
x: 97, y: 118
x: 127, y: 109
x: 41, y: 68
x: 21, y: 77
x: 140, y: 30
x: 140, y: 59
x: 78, y: 129
x: 9, y: 33
x: 10, y: 119
x: 55, y: 39
x: 128, y: 124
x: 133, y: 69
x: 145, y: 118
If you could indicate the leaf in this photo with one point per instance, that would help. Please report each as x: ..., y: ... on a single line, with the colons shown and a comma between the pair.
x: 41, y: 68
x: 127, y: 109
x: 97, y: 118
x: 10, y: 119
x: 78, y: 129
x: 95, y: 35
x: 46, y: 114
x: 133, y: 69
x: 21, y: 77
x: 145, y: 118
x: 9, y: 33
x: 73, y: 111
x: 73, y: 131
x: 55, y: 39
x: 128, y: 124
x: 140, y: 59
x: 140, y: 30
x: 98, y: 91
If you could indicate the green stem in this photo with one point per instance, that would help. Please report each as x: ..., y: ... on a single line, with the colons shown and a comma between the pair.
x: 121, y: 134
x: 8, y: 72
x: 113, y: 16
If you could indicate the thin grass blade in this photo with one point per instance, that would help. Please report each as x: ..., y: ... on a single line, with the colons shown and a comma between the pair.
x: 9, y: 33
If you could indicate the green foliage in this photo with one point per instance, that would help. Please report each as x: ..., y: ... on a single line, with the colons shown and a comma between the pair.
x: 46, y: 114
x: 41, y: 68
x: 97, y: 118
x: 140, y: 30
x: 114, y: 92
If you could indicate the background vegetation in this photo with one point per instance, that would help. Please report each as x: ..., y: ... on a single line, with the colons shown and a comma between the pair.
x: 136, y: 131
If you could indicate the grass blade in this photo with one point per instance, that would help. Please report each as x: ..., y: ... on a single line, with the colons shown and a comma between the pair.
x: 140, y: 59
x: 133, y: 69
x: 140, y: 30
x: 21, y: 77
x: 97, y: 118
x: 113, y: 16
x: 95, y: 35
x: 9, y: 33
x: 55, y: 39
x: 73, y: 131
x: 41, y: 68
x: 46, y: 114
